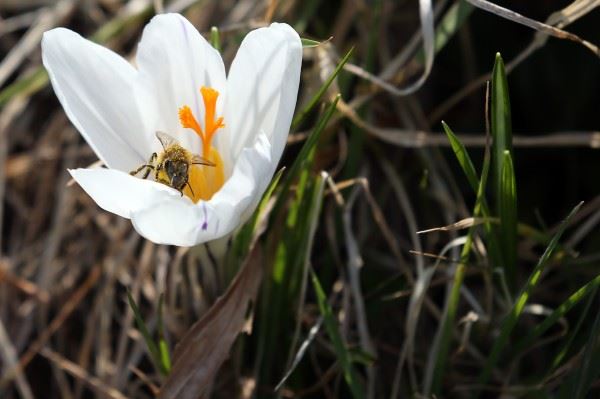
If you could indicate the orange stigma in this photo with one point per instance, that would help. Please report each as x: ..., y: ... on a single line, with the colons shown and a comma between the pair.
x: 204, y: 180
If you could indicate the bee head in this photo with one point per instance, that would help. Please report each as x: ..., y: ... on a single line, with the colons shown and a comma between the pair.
x: 177, y: 172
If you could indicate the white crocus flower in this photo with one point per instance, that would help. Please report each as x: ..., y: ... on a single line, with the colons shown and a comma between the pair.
x: 239, y: 123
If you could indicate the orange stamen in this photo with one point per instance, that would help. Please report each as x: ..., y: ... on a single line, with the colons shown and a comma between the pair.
x: 188, y: 120
x: 209, y: 96
x: 205, y: 180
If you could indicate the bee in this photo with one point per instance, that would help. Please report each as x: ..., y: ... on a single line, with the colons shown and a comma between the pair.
x: 171, y: 167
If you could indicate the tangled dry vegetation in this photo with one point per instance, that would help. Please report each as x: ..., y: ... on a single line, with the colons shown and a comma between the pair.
x: 66, y: 329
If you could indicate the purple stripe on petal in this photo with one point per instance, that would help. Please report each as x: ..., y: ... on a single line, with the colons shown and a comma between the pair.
x: 205, y: 224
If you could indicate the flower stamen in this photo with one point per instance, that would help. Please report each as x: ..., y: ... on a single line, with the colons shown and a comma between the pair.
x: 205, y: 181
x: 188, y: 120
x: 209, y: 96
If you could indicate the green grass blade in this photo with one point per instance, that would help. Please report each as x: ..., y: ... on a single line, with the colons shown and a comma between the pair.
x: 117, y: 25
x: 242, y: 240
x: 480, y: 204
x: 163, y: 348
x: 463, y: 157
x: 589, y: 368
x: 501, y: 122
x: 279, y: 291
x: 449, y: 320
x: 317, y: 97
x: 558, y: 313
x: 343, y: 354
x: 502, y: 143
x: 468, y: 168
x: 310, y: 143
x: 308, y: 43
x: 304, y: 248
x: 152, y: 347
x: 165, y: 357
x: 511, y: 320
x: 565, y: 348
x: 215, y: 39
x: 25, y: 86
x: 282, y: 287
x: 508, y: 218
x: 452, y: 21
x: 442, y: 345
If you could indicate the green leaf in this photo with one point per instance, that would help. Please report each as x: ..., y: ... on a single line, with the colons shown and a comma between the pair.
x: 462, y: 156
x: 288, y: 238
x: 310, y: 143
x: 452, y: 21
x: 589, y: 288
x: 308, y: 43
x: 508, y: 218
x: 298, y: 250
x: 511, y: 320
x: 343, y: 354
x: 25, y: 86
x: 215, y: 39
x: 502, y: 143
x: 468, y: 168
x: 315, y: 99
x: 163, y: 348
x: 501, y: 122
x: 443, y: 338
x: 564, y: 349
x: 589, y: 368
x: 363, y: 357
x: 151, y: 345
x: 117, y: 25
x: 241, y: 242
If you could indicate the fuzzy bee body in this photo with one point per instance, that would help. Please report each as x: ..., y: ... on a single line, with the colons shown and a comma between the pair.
x: 171, y: 166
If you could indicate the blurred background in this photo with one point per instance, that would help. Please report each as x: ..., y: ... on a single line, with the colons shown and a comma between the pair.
x: 66, y: 265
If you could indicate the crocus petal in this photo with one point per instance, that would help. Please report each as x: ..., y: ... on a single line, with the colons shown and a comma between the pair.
x: 182, y: 223
x: 174, y: 61
x: 263, y: 82
x: 120, y: 193
x: 95, y: 87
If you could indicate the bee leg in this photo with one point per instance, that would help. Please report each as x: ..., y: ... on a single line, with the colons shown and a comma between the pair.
x: 150, y: 163
x: 138, y: 170
x: 148, y: 167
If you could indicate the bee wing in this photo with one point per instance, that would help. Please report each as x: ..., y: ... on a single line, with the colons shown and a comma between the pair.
x: 198, y: 160
x: 165, y: 139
